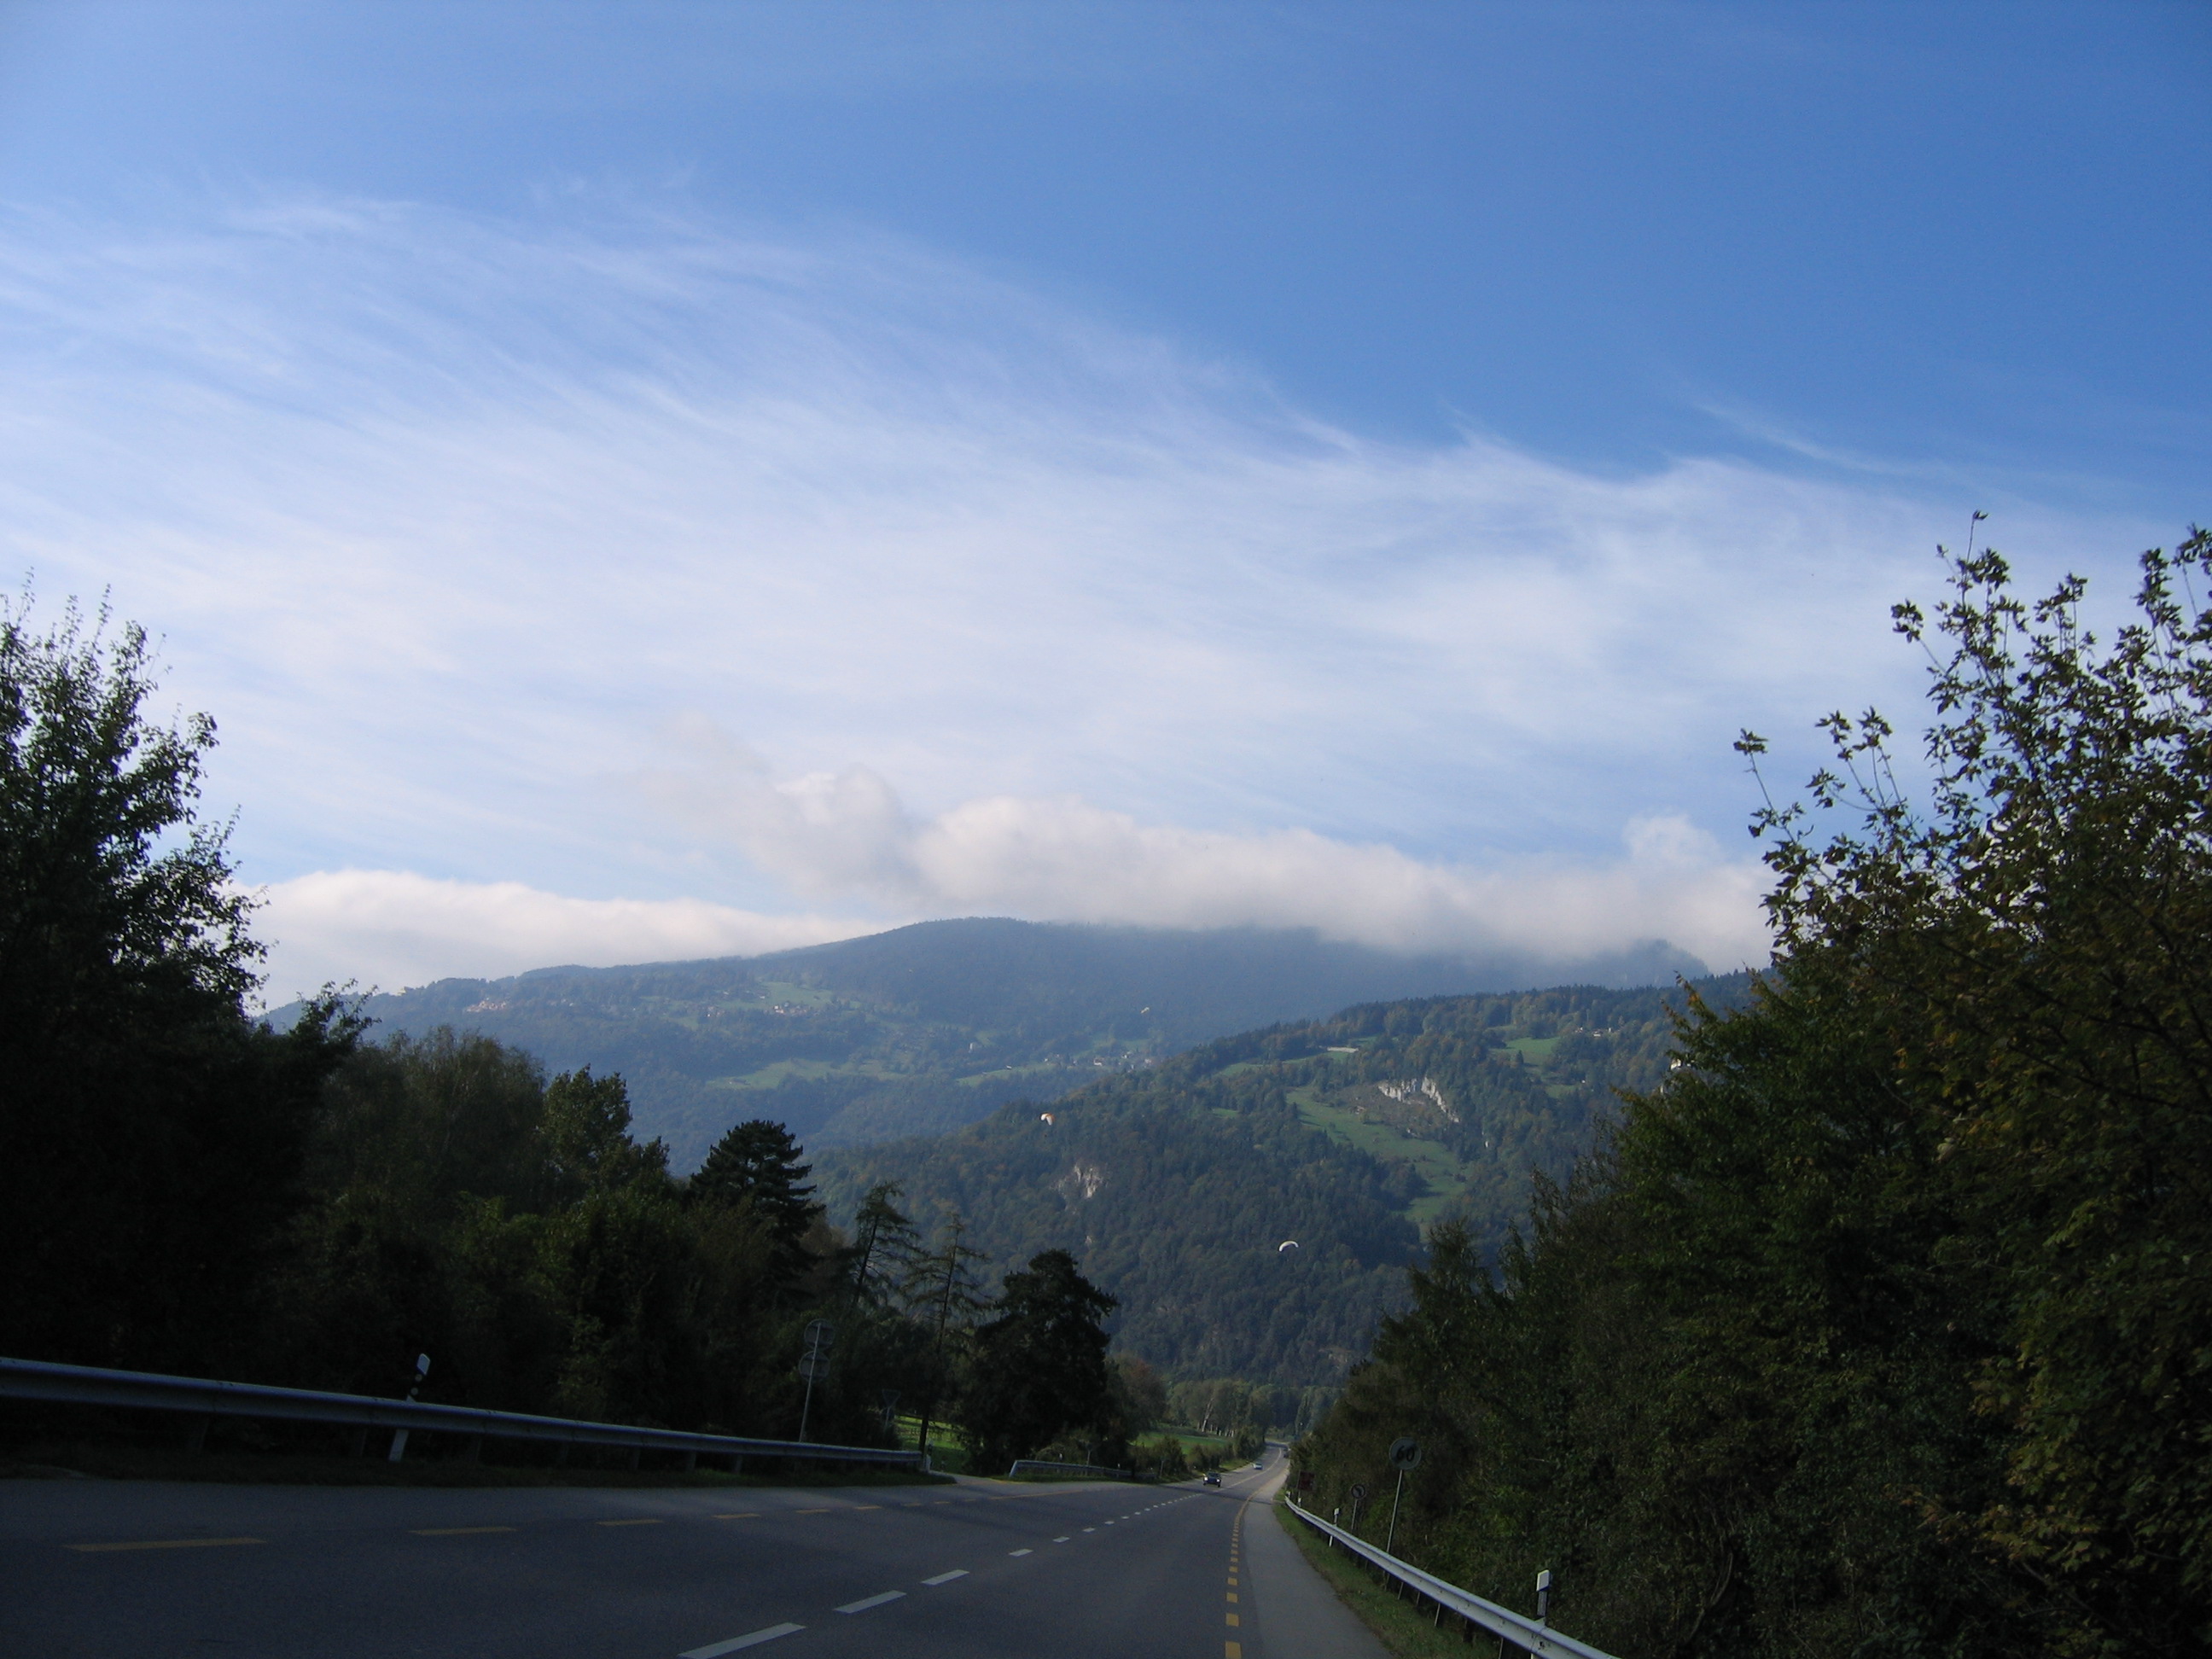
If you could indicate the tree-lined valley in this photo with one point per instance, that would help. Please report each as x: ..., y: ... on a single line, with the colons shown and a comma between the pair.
x: 1856, y: 1307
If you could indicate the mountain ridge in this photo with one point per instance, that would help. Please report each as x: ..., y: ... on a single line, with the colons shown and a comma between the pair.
x: 1179, y: 1187
x: 929, y: 1027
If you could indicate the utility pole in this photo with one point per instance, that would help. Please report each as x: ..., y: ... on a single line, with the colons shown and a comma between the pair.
x: 814, y: 1363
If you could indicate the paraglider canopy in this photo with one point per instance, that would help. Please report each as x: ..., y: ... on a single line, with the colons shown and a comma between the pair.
x: 1287, y: 1244
x: 1044, y: 1117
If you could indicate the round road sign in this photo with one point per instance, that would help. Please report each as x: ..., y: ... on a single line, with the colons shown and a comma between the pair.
x: 1404, y: 1453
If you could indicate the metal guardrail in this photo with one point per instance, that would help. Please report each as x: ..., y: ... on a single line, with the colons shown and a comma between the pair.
x: 1516, y: 1628
x: 89, y: 1385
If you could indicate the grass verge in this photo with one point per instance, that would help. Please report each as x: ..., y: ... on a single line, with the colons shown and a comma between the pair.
x: 1396, y: 1625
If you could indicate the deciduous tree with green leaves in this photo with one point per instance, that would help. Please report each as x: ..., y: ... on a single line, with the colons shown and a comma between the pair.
x: 1038, y: 1367
x: 1885, y: 1326
x: 150, y: 1134
x: 2047, y: 920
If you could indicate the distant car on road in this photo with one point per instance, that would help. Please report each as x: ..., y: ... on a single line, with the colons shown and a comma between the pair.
x: 1212, y: 1479
x: 1256, y: 1466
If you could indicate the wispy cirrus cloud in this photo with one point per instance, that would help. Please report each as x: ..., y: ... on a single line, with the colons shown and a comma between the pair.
x: 475, y: 534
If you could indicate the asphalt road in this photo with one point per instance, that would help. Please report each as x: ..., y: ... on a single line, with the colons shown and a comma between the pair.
x: 166, y: 1570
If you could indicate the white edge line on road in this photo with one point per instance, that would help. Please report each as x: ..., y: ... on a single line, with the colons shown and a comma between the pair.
x: 1017, y: 1551
x: 865, y: 1602
x: 1059, y: 1541
x: 947, y: 1577
x: 716, y: 1650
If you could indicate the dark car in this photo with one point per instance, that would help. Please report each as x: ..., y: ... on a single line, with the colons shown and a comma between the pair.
x: 1212, y: 1479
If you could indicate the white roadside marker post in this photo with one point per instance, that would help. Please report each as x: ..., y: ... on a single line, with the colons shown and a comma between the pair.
x: 399, y: 1436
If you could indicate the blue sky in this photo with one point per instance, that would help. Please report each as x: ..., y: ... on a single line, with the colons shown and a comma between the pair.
x: 644, y: 481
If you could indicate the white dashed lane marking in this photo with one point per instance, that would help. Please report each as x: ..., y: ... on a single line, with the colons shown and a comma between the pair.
x: 715, y: 1650
x: 867, y: 1601
x: 754, y: 1639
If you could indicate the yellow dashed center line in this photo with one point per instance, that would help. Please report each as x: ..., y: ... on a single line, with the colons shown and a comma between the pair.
x: 645, y: 1521
x: 165, y: 1544
x: 1230, y: 1649
x: 749, y: 1515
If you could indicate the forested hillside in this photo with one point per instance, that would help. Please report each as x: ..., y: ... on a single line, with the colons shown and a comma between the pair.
x: 926, y: 1028
x: 1883, y: 1326
x: 1178, y: 1187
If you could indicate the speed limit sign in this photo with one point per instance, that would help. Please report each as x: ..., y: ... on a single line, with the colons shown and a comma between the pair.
x: 1406, y: 1454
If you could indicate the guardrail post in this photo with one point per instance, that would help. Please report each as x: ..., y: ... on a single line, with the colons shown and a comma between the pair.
x: 690, y: 1461
x: 358, y: 1442
x: 1514, y: 1632
x: 196, y: 1437
x: 561, y: 1455
x: 636, y: 1452
x: 473, y: 1451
